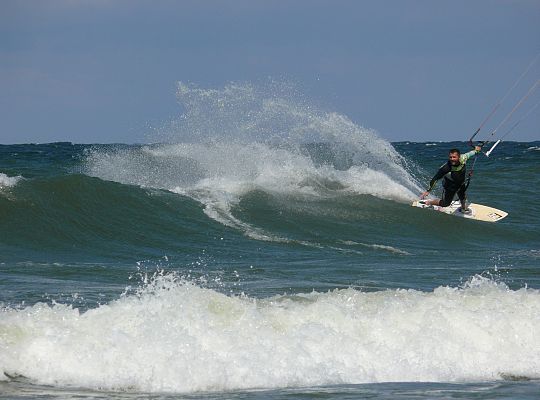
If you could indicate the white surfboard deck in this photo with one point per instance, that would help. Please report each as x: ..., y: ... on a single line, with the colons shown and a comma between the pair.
x: 479, y: 212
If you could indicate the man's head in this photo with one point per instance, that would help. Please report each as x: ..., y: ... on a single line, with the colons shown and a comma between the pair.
x: 453, y: 156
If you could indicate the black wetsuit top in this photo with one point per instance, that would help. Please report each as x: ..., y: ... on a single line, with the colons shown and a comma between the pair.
x: 454, y: 176
x: 453, y: 179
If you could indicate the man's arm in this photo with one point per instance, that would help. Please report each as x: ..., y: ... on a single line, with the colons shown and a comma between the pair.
x: 440, y: 173
x: 464, y: 157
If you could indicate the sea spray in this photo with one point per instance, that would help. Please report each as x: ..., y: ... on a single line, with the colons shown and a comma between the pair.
x: 242, y: 138
x: 174, y: 336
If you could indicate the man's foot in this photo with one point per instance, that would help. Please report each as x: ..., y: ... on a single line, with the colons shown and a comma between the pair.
x: 465, y: 210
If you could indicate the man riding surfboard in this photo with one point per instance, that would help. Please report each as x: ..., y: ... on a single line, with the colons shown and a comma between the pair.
x: 454, y: 174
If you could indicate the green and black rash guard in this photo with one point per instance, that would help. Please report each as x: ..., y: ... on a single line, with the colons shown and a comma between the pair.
x: 454, y: 175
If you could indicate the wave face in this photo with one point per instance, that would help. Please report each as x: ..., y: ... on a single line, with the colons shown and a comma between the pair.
x: 173, y: 336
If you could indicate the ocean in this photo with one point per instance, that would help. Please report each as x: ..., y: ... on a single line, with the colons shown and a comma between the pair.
x: 264, y: 254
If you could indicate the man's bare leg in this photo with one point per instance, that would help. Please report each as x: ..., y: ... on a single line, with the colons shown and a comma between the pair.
x: 434, y: 202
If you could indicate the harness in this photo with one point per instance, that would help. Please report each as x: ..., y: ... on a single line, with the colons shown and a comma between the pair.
x: 456, y: 175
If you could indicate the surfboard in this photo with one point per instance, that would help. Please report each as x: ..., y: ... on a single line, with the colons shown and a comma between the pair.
x: 479, y: 212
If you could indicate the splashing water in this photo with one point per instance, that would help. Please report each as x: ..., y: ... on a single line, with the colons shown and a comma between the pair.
x: 8, y: 181
x: 174, y: 336
x: 242, y: 138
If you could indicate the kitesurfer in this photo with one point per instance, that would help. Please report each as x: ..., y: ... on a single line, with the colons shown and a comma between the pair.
x: 454, y: 174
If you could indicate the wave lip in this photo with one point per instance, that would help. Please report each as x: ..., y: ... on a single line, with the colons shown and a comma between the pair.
x: 177, y: 337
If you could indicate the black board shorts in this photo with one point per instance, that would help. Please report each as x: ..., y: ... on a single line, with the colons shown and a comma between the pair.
x: 448, y: 195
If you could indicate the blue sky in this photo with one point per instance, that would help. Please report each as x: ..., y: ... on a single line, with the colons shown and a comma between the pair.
x: 105, y: 71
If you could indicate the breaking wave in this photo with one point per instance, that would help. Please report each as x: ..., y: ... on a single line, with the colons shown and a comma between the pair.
x: 175, y: 336
x: 242, y: 139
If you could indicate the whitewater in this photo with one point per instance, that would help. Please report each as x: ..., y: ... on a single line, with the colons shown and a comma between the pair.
x: 246, y: 138
x: 173, y: 336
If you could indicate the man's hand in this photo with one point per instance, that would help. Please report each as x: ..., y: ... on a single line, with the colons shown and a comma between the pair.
x: 424, y: 195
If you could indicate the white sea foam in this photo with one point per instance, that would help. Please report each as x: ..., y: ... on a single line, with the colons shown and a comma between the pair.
x: 377, y: 247
x: 8, y: 181
x: 178, y: 337
x: 230, y: 142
